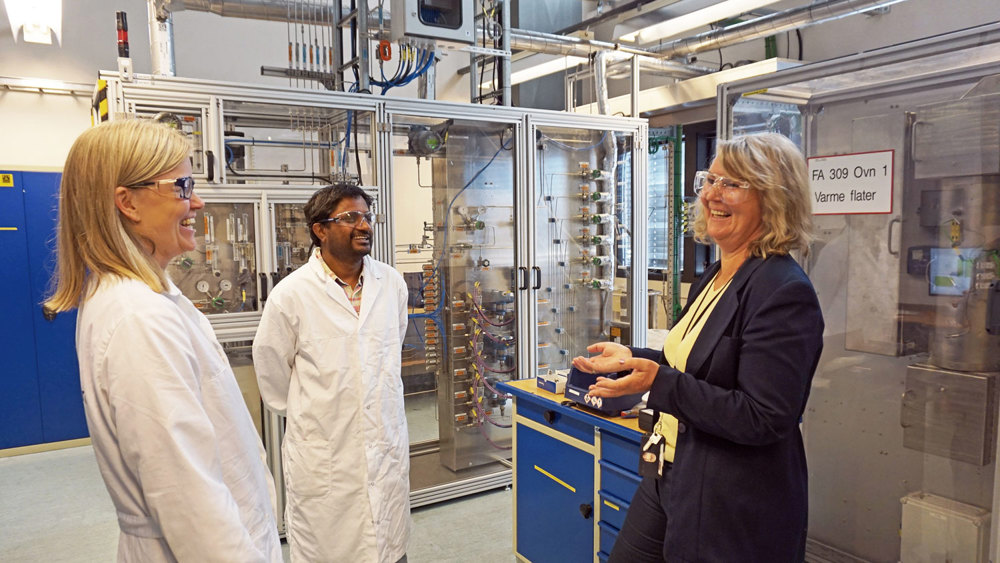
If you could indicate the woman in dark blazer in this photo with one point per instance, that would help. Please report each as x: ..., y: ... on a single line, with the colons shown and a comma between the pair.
x: 735, y: 371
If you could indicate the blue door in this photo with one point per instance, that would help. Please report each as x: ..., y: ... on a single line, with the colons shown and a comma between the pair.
x: 20, y: 406
x: 555, y: 497
x: 55, y: 346
x: 40, y: 397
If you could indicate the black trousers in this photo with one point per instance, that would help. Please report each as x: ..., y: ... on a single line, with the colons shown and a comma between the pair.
x: 641, y: 539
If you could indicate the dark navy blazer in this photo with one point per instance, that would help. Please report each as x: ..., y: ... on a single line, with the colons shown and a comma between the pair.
x: 738, y: 486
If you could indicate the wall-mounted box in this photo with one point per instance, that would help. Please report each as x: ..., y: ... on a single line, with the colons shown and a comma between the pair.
x: 939, y: 529
x: 447, y: 20
x: 950, y: 413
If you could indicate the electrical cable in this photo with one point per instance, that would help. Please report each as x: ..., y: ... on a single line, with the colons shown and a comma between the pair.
x: 482, y: 67
x: 571, y: 148
x: 357, y: 155
x: 354, y: 41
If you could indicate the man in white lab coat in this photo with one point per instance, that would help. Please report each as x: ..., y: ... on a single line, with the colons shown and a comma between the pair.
x: 327, y: 356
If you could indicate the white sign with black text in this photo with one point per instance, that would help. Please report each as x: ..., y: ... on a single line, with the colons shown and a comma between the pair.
x: 850, y: 184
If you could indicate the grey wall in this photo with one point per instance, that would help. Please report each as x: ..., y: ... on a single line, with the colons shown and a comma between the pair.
x: 547, y: 92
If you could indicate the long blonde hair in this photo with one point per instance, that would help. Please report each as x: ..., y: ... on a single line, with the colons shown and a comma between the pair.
x: 776, y: 169
x: 94, y: 240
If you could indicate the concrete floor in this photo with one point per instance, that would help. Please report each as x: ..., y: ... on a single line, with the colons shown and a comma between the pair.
x: 54, y: 508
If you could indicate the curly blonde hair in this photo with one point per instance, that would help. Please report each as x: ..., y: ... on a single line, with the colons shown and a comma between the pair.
x: 775, y: 168
x: 93, y: 239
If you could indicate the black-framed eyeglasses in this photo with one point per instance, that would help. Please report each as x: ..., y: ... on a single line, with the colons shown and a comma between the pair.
x: 184, y: 186
x: 351, y: 218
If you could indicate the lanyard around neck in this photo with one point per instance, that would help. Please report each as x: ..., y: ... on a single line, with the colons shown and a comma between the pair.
x: 701, y: 308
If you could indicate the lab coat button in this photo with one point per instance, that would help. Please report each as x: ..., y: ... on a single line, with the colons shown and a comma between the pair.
x: 681, y: 427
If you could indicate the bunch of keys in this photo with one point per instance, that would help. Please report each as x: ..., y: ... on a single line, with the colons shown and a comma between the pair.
x: 651, y: 456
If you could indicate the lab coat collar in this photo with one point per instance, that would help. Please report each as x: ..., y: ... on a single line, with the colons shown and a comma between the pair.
x: 372, y: 286
x: 173, y: 292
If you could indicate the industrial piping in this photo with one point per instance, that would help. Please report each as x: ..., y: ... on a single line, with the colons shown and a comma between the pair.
x: 794, y: 18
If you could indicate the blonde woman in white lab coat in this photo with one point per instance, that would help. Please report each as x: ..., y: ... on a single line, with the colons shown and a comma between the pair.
x: 174, y: 441
x: 327, y: 356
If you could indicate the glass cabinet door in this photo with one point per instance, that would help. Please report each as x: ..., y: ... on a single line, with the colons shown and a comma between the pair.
x: 901, y: 425
x: 583, y: 253
x: 220, y: 275
x: 295, y: 144
x: 454, y: 222
x: 292, y: 239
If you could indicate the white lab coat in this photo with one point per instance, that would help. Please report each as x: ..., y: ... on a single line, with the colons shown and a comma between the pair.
x: 174, y: 441
x: 336, y: 377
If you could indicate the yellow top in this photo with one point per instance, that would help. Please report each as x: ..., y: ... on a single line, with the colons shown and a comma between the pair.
x: 676, y: 349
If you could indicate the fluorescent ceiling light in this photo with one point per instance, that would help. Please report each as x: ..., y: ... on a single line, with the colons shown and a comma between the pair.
x: 37, y: 19
x: 694, y: 20
x: 540, y: 65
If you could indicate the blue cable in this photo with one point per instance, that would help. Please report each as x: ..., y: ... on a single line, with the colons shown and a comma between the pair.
x: 425, y: 58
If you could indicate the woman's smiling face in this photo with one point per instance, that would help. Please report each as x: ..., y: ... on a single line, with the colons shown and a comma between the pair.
x: 731, y: 225
x: 166, y: 222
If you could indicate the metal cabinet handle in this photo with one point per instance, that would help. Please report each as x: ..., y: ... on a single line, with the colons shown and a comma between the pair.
x: 538, y: 277
x: 524, y: 277
x: 549, y: 416
x: 913, y: 139
x: 889, y: 241
x: 210, y: 156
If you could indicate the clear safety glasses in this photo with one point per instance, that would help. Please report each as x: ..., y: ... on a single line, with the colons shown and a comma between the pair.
x: 351, y: 218
x: 730, y: 191
x: 183, y: 187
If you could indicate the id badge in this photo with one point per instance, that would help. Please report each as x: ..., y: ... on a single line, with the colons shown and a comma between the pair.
x: 651, y: 456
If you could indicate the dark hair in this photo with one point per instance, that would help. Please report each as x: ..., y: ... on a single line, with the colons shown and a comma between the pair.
x: 325, y: 200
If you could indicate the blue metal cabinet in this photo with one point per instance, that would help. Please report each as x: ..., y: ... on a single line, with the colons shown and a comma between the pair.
x: 555, y: 496
x: 39, y: 385
x: 20, y: 408
x: 55, y: 341
x: 574, y: 477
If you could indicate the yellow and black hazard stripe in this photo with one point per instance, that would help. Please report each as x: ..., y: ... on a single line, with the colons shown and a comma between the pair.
x: 99, y: 103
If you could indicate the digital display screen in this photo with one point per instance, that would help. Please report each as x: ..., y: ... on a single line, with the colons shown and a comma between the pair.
x: 951, y: 270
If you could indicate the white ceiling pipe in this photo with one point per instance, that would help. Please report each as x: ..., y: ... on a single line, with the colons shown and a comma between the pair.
x: 161, y: 39
x: 779, y: 22
x: 271, y: 10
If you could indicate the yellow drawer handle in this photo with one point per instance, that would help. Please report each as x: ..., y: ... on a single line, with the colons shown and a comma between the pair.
x: 612, y: 505
x: 554, y: 478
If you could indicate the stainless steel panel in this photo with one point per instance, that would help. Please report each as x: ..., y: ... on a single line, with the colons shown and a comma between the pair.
x: 470, y: 283
x: 960, y: 225
x: 958, y: 138
x: 874, y: 250
x: 950, y: 413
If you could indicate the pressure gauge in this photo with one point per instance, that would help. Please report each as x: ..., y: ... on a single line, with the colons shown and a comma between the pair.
x: 225, y: 285
x: 201, y: 286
